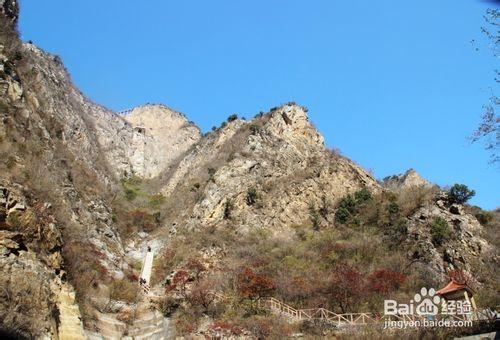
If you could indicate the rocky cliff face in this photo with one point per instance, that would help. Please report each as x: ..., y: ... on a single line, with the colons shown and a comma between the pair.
x: 280, y: 157
x: 64, y: 159
x: 167, y: 135
x: 409, y: 179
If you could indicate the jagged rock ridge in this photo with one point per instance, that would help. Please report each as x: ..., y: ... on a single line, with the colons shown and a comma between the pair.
x: 409, y: 179
x: 64, y: 157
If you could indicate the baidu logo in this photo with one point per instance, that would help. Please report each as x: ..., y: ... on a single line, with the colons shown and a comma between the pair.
x: 426, y: 302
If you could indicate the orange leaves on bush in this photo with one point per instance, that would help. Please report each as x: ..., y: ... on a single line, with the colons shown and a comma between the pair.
x: 346, y: 286
x: 384, y: 281
x: 252, y: 285
x: 179, y: 281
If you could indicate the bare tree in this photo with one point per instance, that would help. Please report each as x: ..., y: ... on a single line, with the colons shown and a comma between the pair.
x: 489, y: 130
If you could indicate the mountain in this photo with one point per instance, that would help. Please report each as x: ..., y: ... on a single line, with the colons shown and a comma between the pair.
x: 85, y: 191
x: 409, y: 179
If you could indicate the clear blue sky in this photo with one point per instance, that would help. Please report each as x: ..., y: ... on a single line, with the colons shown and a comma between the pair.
x: 393, y: 84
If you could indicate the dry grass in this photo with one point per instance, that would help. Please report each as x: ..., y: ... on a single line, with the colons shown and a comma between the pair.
x: 413, y: 198
x: 124, y: 290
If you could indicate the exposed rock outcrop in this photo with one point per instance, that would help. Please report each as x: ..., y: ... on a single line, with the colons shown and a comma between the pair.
x: 409, y: 179
x: 462, y: 251
x: 167, y: 135
x: 283, y: 160
x: 63, y: 159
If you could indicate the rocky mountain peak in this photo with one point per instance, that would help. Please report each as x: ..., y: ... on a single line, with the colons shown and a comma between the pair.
x: 162, y: 136
x: 85, y: 192
x: 159, y: 120
x: 410, y: 178
x: 291, y: 122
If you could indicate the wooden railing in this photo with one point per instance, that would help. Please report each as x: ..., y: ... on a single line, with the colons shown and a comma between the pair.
x: 278, y: 307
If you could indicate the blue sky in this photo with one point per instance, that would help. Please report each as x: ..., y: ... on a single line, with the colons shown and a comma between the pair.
x: 392, y: 84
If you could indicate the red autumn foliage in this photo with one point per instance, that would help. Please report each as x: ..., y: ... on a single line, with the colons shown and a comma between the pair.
x: 384, y: 281
x: 196, y: 267
x: 297, y: 288
x: 132, y: 277
x: 180, y: 278
x: 201, y: 296
x: 252, y: 285
x: 179, y: 282
x: 346, y: 286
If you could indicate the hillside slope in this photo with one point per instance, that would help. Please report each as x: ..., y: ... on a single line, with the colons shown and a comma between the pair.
x: 85, y: 191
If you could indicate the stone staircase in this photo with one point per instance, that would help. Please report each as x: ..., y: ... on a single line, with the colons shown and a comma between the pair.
x: 148, y: 324
x: 71, y: 326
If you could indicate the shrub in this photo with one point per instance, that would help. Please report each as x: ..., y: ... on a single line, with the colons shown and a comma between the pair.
x: 252, y: 196
x: 156, y: 200
x: 484, y: 217
x: 228, y: 208
x: 397, y: 232
x: 254, y: 129
x: 226, y: 327
x: 342, y: 215
x: 232, y: 117
x: 346, y: 286
x: 124, y: 290
x: 440, y: 230
x: 412, y: 198
x: 362, y: 196
x: 345, y: 208
x: 167, y: 305
x: 460, y: 193
x: 131, y: 188
x: 141, y: 220
x: 384, y: 281
x: 211, y: 174
x: 314, y: 216
x: 200, y: 296
x: 325, y: 207
x: 179, y: 282
x: 393, y: 208
x: 125, y: 315
x: 252, y: 285
x: 195, y: 267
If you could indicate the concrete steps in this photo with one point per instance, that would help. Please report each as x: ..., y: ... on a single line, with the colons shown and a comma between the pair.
x: 71, y: 326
